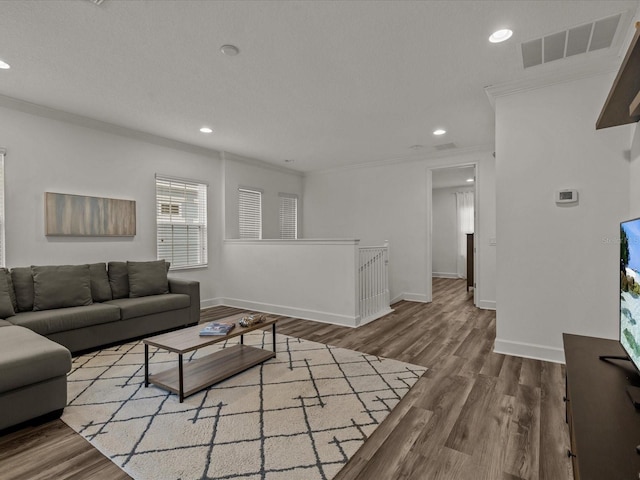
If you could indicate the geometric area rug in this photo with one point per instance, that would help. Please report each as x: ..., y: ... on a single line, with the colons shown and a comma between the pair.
x: 301, y: 415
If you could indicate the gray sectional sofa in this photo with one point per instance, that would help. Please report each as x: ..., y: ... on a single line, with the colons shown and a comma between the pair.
x: 48, y: 312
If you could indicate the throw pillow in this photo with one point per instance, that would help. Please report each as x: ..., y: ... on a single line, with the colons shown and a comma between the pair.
x: 100, y: 288
x: 147, y: 278
x: 6, y: 308
x: 59, y: 286
x: 12, y: 292
x: 119, y: 279
x: 22, y: 279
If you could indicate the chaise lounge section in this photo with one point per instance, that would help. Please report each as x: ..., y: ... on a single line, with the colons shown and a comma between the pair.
x: 33, y: 375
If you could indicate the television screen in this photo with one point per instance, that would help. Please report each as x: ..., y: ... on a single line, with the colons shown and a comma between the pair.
x: 630, y: 289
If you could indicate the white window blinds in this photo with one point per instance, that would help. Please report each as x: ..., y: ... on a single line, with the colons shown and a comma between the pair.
x: 2, y: 242
x: 181, y: 215
x: 250, y: 213
x: 288, y: 216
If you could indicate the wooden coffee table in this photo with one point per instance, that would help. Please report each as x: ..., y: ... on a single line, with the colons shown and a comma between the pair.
x: 198, y: 374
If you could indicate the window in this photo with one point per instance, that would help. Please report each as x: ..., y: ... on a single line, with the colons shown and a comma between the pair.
x: 181, y: 215
x: 288, y: 216
x: 250, y: 213
x: 2, y: 254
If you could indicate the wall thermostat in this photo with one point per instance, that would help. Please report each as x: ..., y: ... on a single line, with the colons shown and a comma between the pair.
x: 567, y: 196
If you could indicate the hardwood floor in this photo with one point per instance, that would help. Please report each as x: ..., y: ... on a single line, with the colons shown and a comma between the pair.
x: 473, y: 415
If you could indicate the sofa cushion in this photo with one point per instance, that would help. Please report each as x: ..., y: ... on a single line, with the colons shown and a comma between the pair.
x: 12, y: 292
x: 27, y: 358
x: 59, y: 286
x: 47, y: 322
x: 147, y: 278
x: 138, y: 307
x: 22, y: 279
x: 5, y: 323
x: 6, y: 307
x: 119, y: 279
x: 100, y: 288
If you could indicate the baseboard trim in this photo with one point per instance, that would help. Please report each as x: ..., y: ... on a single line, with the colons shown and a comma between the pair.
x: 378, y: 315
x: 487, y: 304
x: 412, y: 297
x: 316, y: 316
x: 529, y: 350
x: 444, y: 275
x: 211, y: 302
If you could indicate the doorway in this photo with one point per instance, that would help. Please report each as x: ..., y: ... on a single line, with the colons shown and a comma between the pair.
x: 452, y: 223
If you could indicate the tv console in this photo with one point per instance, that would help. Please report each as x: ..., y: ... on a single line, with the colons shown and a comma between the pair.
x: 604, y: 426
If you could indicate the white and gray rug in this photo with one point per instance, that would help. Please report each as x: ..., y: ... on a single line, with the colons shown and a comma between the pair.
x: 301, y: 415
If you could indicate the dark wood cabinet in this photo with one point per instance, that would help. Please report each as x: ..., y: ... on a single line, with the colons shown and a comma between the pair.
x: 604, y: 426
x: 470, y: 250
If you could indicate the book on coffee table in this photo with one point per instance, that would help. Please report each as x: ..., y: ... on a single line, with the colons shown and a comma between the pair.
x: 217, y: 328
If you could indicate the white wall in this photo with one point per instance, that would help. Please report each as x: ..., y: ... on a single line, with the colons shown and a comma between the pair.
x: 241, y: 172
x: 445, y: 236
x: 312, y: 279
x: 558, y: 265
x: 389, y: 202
x: 48, y: 155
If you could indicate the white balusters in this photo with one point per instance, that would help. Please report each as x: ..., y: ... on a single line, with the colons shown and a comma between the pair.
x: 373, y: 282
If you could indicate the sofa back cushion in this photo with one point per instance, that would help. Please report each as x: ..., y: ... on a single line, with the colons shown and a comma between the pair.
x: 100, y: 287
x: 22, y: 279
x: 12, y: 292
x: 147, y: 278
x: 119, y: 280
x: 59, y: 286
x: 6, y: 307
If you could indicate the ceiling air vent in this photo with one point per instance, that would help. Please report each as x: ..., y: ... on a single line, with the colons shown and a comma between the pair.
x: 575, y: 41
x: 445, y: 146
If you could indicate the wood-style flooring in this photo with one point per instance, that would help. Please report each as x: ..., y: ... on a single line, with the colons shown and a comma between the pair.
x: 473, y: 415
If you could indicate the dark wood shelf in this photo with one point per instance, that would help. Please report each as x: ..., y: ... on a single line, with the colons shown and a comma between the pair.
x: 604, y: 425
x: 634, y: 109
x: 619, y: 107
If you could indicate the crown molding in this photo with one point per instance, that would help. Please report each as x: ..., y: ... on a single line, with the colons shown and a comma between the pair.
x: 228, y: 156
x: 112, y: 128
x: 591, y: 65
x: 299, y: 241
x: 429, y: 156
x: 94, y: 124
x: 580, y: 71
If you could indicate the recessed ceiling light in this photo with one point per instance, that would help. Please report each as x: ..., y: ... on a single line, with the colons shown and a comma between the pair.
x: 4, y: 65
x: 230, y: 50
x: 500, y: 35
x: 439, y: 131
x: 206, y: 130
x: 469, y: 180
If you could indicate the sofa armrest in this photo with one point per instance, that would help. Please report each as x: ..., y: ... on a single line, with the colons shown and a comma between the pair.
x: 191, y: 288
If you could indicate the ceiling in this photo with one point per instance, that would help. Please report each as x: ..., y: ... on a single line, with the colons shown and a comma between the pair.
x: 325, y: 83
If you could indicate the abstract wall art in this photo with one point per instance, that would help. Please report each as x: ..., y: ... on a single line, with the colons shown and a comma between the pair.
x: 79, y: 215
